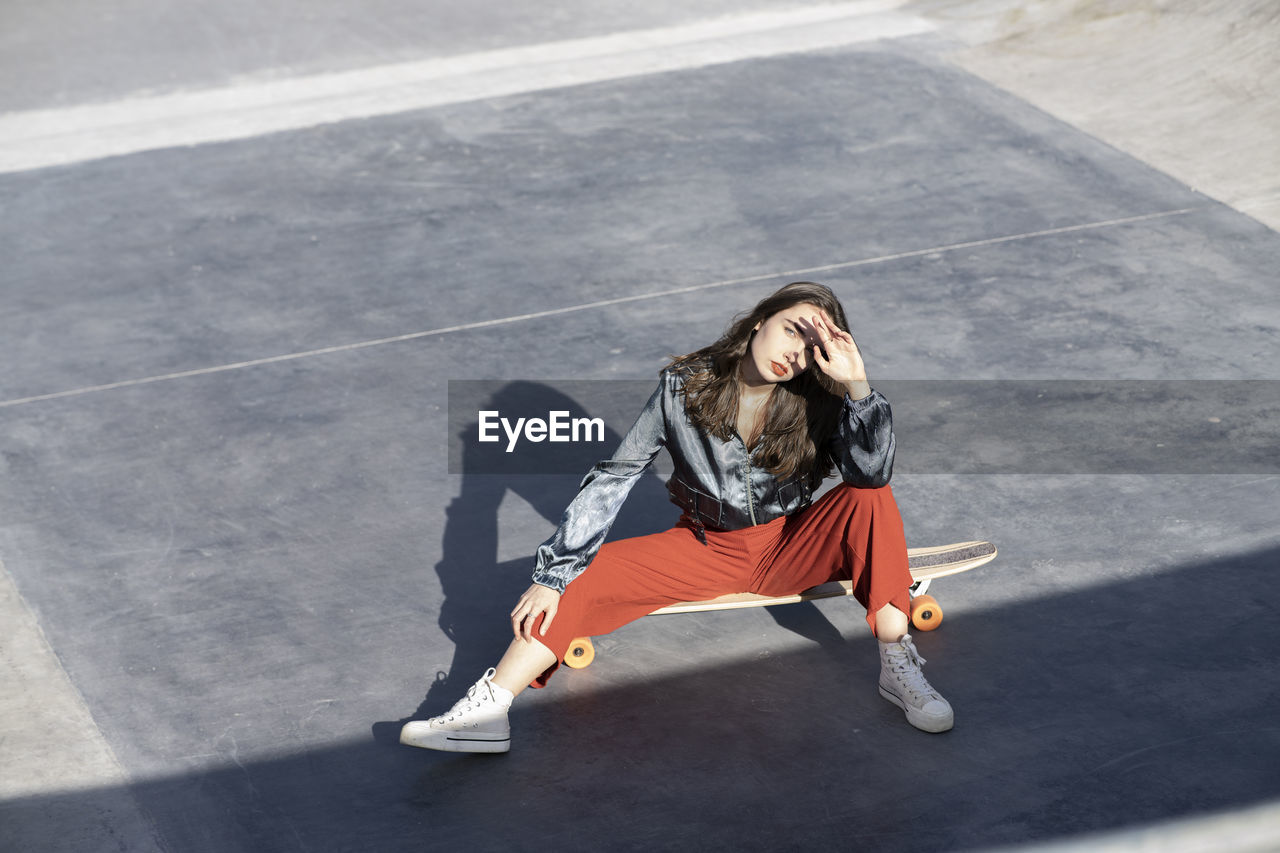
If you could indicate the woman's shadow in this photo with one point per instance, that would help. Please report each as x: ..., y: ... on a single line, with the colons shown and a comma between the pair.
x: 479, y: 589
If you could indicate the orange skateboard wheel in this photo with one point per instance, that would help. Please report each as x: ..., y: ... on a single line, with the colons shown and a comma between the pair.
x: 926, y: 613
x: 580, y: 654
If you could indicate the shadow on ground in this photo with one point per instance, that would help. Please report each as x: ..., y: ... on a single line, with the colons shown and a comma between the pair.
x: 478, y: 589
x: 1103, y: 708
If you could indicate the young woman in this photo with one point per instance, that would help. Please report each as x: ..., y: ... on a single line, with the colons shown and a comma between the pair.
x: 754, y: 423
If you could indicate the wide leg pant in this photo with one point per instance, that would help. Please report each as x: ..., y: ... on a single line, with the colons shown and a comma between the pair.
x: 848, y: 533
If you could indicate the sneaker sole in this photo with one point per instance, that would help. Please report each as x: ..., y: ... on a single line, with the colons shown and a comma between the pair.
x: 445, y: 742
x: 933, y: 725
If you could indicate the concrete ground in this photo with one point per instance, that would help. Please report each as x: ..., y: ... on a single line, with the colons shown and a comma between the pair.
x: 247, y: 247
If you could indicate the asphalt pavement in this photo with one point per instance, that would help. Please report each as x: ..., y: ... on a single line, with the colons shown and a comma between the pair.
x: 248, y: 247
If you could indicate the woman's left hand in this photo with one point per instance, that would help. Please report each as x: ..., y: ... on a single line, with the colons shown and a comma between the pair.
x: 842, y: 361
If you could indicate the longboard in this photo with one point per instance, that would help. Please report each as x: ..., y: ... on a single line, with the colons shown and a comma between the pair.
x: 926, y: 564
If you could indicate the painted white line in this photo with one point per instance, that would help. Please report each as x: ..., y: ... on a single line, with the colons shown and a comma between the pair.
x: 587, y: 306
x: 40, y: 138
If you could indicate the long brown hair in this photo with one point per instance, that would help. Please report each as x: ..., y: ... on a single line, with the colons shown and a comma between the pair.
x: 803, y: 411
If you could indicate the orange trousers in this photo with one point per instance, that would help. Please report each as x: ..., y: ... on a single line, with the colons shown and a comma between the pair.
x: 848, y: 533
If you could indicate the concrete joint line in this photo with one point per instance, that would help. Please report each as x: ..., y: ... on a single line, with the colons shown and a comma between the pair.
x: 603, y: 303
x: 41, y: 138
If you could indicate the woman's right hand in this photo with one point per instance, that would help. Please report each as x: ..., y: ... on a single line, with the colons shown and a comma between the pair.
x: 536, y: 600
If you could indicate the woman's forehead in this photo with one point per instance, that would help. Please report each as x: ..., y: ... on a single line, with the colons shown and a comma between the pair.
x: 802, y: 311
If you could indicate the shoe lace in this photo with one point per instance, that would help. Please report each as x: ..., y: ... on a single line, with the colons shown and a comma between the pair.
x: 907, y: 664
x: 478, y: 694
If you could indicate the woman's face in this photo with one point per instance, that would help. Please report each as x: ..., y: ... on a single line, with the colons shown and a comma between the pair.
x: 782, y: 346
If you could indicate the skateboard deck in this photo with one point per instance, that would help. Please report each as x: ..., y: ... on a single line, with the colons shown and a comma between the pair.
x: 926, y: 564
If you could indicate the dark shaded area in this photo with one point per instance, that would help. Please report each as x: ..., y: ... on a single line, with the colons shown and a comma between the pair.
x: 952, y: 426
x: 1080, y: 426
x: 1105, y: 708
x: 478, y: 591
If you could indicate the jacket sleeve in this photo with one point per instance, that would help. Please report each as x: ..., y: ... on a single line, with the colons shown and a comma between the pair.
x: 863, y: 443
x: 587, y: 519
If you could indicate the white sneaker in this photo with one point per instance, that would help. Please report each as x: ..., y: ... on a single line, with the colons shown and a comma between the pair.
x: 903, y: 684
x: 477, y: 723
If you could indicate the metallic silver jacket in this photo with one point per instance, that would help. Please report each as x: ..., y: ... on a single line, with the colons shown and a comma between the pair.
x: 714, y: 481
